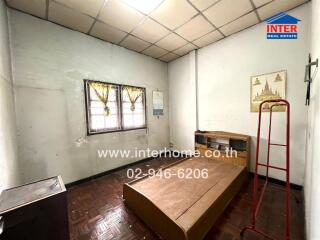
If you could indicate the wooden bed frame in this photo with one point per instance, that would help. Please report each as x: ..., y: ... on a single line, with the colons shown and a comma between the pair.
x: 197, y: 205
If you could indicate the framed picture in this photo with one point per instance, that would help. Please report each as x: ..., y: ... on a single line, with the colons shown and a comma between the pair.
x: 267, y: 87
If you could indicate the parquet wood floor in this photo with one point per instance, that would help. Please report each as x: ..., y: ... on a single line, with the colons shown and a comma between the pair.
x: 97, y: 212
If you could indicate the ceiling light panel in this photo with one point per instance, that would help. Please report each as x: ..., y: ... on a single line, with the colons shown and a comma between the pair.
x: 150, y: 31
x: 227, y: 10
x: 69, y: 17
x: 119, y: 15
x: 173, y: 13
x: 195, y: 28
x: 34, y: 7
x: 144, y: 6
x: 91, y: 7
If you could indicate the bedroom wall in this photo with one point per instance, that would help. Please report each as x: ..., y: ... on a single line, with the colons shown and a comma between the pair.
x: 49, y: 65
x: 224, y: 70
x: 8, y: 148
x: 312, y: 178
x: 182, y: 93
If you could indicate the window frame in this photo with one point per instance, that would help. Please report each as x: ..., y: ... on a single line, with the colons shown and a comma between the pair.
x: 119, y: 105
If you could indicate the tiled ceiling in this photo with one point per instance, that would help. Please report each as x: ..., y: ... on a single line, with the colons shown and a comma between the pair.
x: 162, y: 29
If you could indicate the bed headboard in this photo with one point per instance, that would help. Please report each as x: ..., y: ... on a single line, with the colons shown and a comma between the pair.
x: 224, y: 146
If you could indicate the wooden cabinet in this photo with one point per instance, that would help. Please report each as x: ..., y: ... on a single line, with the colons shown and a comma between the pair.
x: 35, y: 211
x: 229, y: 147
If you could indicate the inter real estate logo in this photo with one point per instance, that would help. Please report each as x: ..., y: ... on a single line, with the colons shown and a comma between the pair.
x: 282, y: 26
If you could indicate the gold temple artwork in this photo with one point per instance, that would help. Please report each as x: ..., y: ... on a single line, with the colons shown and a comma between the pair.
x: 266, y: 87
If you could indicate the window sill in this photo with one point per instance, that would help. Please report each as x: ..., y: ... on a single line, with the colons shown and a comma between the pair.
x: 115, y: 131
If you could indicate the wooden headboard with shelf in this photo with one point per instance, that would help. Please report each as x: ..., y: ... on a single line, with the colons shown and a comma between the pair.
x: 221, y: 142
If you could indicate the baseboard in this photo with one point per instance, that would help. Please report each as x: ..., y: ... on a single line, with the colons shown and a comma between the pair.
x: 279, y: 182
x: 88, y: 179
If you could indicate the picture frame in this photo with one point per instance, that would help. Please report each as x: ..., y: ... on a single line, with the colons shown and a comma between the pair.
x: 268, y: 86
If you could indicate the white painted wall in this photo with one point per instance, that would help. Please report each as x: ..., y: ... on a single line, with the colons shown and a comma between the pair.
x: 8, y: 147
x: 182, y: 92
x: 49, y: 65
x: 312, y: 178
x: 224, y: 70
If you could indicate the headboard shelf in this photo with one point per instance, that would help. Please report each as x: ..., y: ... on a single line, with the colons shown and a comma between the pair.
x: 220, y: 142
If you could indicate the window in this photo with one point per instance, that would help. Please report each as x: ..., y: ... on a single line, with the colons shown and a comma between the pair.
x: 113, y: 107
x: 133, y: 110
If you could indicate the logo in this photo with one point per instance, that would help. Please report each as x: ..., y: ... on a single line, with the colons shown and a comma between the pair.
x: 282, y: 26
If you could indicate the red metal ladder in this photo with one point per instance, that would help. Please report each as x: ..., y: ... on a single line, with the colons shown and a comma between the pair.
x: 257, y: 202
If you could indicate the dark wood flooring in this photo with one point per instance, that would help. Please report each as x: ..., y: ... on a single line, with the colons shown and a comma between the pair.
x: 97, y: 212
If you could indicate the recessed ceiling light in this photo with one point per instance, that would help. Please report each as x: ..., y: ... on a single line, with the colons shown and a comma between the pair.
x: 145, y: 6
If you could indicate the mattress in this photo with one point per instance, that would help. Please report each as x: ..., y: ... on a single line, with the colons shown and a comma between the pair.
x: 185, y: 208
